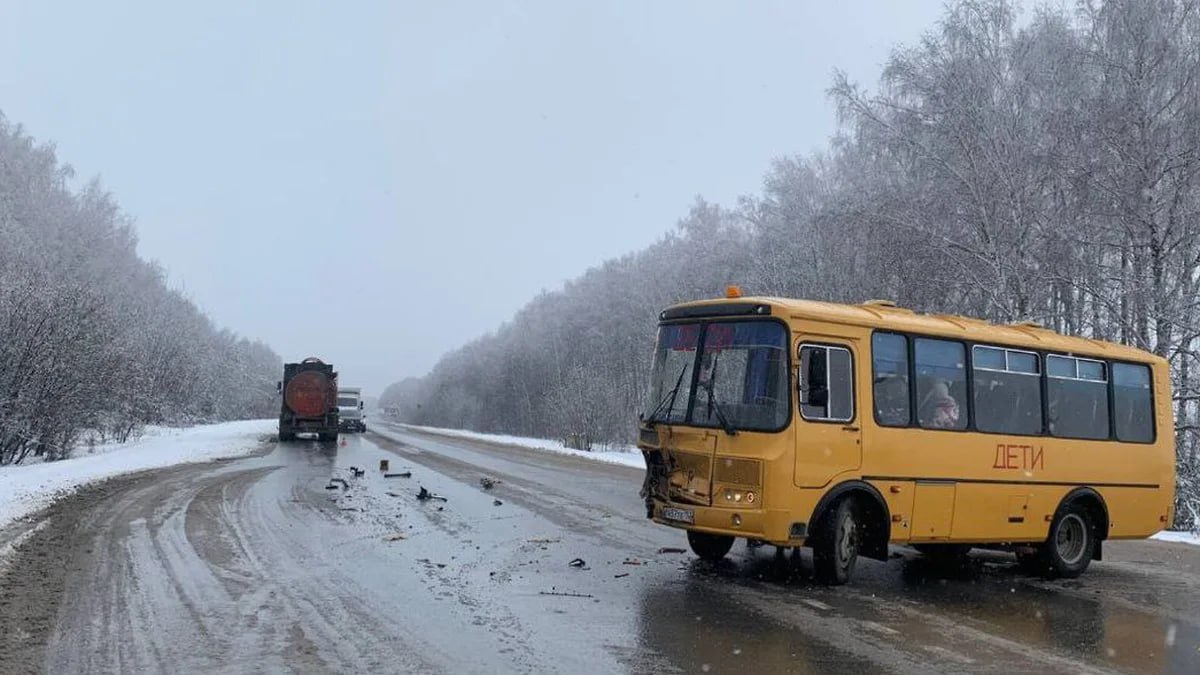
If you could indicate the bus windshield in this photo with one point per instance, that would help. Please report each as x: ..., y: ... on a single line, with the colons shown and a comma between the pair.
x: 724, y: 374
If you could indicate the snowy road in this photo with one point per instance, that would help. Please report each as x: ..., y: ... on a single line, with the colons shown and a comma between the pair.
x: 251, y: 565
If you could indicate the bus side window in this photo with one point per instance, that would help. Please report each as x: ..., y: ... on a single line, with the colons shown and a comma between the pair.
x: 941, y: 383
x: 1007, y: 391
x: 1133, y: 410
x: 889, y: 377
x: 826, y: 384
x: 1077, y: 397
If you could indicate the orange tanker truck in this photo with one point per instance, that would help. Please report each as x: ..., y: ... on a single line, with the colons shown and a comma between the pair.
x: 309, y: 405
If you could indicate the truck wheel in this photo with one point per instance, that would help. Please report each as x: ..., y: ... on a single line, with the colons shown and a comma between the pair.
x: 835, y: 550
x: 327, y: 438
x: 1072, y: 542
x: 710, y: 547
x: 286, y: 437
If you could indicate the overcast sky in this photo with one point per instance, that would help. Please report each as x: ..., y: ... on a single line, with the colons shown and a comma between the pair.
x: 376, y: 183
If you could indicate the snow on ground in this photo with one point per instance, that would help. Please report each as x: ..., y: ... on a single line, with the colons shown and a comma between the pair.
x: 626, y: 455
x: 25, y: 489
x: 1179, y: 537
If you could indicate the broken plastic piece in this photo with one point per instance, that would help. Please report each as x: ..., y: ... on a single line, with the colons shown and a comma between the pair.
x: 425, y: 495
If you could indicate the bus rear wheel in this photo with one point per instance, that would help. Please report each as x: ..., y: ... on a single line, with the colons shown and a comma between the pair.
x: 835, y: 550
x: 710, y: 547
x: 1072, y: 543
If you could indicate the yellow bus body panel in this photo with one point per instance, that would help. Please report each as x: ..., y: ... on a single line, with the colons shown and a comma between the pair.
x: 939, y: 485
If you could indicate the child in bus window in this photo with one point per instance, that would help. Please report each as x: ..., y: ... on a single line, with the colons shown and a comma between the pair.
x: 941, y: 410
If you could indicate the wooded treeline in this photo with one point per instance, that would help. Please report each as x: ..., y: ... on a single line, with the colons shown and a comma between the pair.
x: 1040, y: 166
x: 93, y: 343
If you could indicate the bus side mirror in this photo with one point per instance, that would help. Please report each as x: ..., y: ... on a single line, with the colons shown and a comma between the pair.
x: 360, y: 405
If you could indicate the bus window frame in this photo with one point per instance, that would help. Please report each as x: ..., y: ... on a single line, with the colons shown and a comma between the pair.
x: 1108, y: 394
x: 704, y: 322
x: 908, y: 373
x: 853, y: 385
x: 1112, y: 395
x: 1043, y: 376
x: 1040, y: 375
x: 968, y: 365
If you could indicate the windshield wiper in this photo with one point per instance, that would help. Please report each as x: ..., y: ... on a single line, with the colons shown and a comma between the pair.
x: 713, y: 404
x: 668, y: 399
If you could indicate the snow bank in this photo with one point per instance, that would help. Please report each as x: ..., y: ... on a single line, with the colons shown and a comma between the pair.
x: 1178, y: 537
x: 624, y: 455
x: 25, y: 489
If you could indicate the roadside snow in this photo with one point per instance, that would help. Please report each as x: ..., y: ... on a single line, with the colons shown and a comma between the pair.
x: 1178, y: 537
x: 625, y: 455
x: 25, y: 489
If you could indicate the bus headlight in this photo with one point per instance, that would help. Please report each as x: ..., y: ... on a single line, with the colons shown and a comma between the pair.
x: 738, y: 496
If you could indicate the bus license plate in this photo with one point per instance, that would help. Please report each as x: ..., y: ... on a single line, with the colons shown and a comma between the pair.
x: 681, y: 515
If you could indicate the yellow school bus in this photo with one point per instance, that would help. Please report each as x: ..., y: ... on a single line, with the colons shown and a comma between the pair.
x: 844, y: 428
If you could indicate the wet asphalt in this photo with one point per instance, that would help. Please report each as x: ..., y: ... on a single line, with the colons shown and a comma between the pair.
x: 253, y: 565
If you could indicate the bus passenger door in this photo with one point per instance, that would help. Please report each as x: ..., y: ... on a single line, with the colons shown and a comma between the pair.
x: 828, y: 436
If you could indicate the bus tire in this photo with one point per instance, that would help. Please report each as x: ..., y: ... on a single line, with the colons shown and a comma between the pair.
x: 710, y: 547
x: 835, y: 550
x: 1071, y: 543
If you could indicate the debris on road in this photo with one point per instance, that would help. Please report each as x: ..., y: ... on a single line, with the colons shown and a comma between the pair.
x: 488, y: 483
x: 631, y: 561
x: 497, y: 502
x: 578, y: 562
x: 403, y: 474
x: 383, y: 465
x: 622, y: 574
x: 543, y: 541
x: 357, y: 472
x: 565, y: 594
x: 425, y: 495
x: 671, y: 549
x: 395, y: 536
x: 331, y: 486
x: 345, y: 485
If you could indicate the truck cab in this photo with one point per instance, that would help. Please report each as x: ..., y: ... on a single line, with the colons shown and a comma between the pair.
x: 351, y: 415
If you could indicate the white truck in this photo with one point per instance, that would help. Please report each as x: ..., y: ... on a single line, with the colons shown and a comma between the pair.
x: 351, y: 416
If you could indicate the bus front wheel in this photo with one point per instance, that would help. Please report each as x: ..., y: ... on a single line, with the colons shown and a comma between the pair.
x: 1072, y: 542
x: 836, y: 547
x: 710, y: 547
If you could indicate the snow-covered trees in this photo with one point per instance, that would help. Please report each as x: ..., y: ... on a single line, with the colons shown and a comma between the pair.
x: 91, y: 338
x: 1015, y: 168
